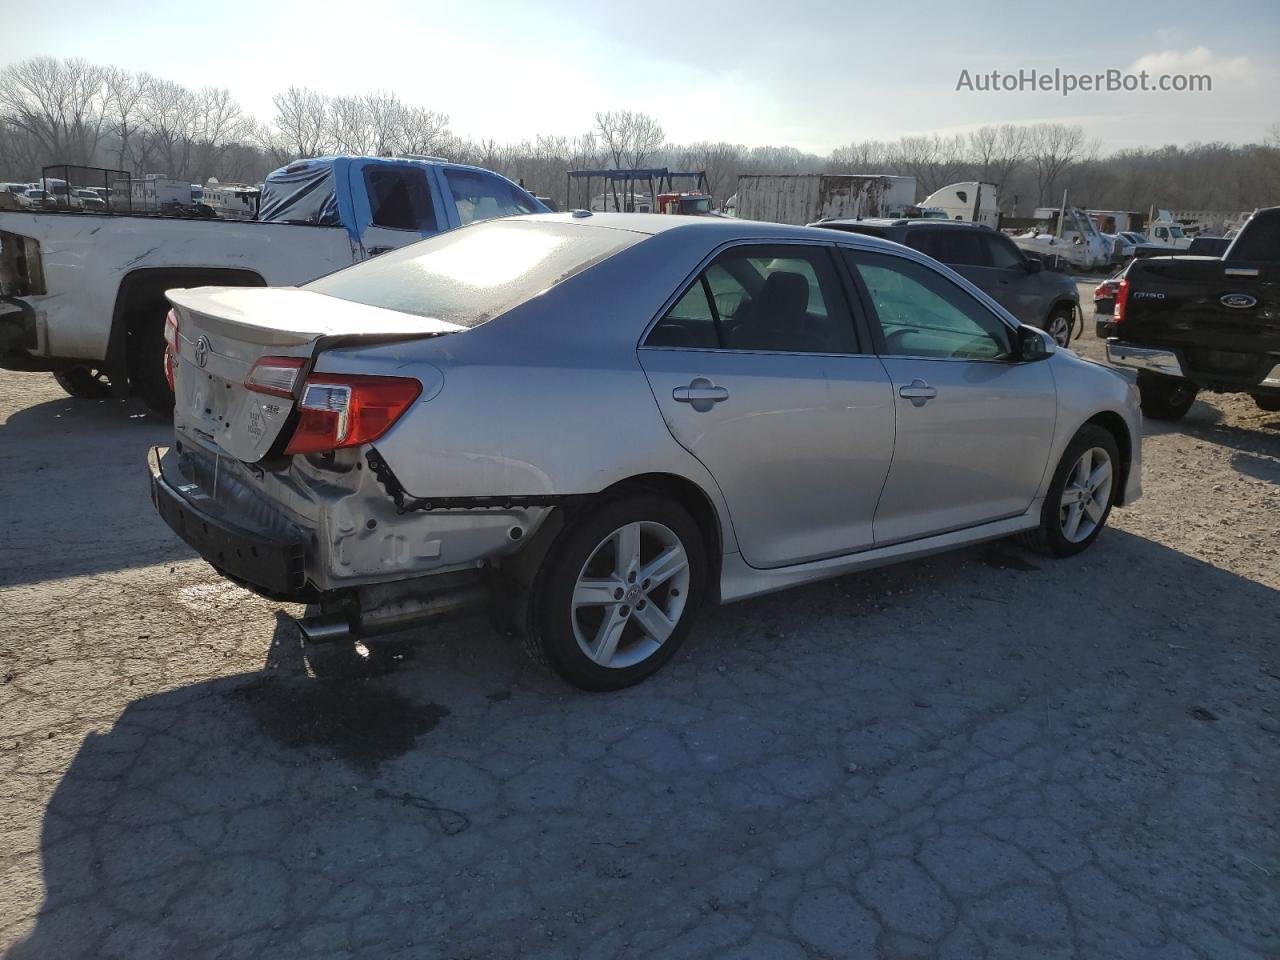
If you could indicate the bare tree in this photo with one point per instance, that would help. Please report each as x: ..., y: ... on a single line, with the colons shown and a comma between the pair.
x: 1052, y: 148
x: 996, y: 151
x: 301, y: 122
x: 867, y: 156
x: 60, y: 104
x: 171, y: 112
x: 127, y: 93
x: 630, y: 138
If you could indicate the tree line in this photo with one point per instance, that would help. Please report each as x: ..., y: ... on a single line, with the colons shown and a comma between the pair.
x: 72, y: 111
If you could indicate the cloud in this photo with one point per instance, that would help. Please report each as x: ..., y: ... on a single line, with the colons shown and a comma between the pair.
x: 1196, y: 60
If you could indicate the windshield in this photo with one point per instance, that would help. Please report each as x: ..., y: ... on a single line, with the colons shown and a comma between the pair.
x: 1176, y: 233
x: 696, y: 204
x: 472, y: 274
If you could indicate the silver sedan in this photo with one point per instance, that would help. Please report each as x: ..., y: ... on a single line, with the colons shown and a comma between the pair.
x: 591, y: 424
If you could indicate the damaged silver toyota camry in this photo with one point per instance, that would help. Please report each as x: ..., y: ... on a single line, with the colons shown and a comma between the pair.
x: 593, y: 424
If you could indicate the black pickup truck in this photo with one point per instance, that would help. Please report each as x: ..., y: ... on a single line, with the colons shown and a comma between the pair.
x: 1188, y: 323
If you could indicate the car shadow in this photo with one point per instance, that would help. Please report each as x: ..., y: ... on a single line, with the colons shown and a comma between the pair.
x: 448, y: 796
x: 92, y: 512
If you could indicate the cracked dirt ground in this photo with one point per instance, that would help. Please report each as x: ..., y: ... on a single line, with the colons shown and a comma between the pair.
x: 986, y: 754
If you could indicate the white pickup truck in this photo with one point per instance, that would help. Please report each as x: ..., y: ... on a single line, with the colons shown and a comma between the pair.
x: 82, y: 295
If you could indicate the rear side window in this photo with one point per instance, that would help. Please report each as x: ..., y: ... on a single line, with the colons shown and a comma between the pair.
x: 779, y: 299
x: 472, y: 274
x: 955, y: 247
x: 399, y: 198
x: 1259, y: 239
x: 482, y: 196
x: 1004, y: 255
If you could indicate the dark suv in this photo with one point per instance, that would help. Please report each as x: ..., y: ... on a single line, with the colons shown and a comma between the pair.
x: 990, y: 261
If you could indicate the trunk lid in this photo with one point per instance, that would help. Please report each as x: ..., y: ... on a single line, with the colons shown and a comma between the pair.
x: 223, y: 331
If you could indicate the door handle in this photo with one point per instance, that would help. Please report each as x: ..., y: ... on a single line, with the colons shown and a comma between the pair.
x: 918, y: 392
x: 701, y: 393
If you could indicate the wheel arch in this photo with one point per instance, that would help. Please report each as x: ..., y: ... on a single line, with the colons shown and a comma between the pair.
x: 1115, y: 425
x: 694, y: 500
x: 144, y: 286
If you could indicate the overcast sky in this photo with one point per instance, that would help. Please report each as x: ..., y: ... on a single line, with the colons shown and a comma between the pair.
x: 810, y: 73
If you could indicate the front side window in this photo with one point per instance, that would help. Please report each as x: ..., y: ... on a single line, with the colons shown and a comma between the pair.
x: 482, y: 196
x: 780, y: 299
x: 923, y: 314
x: 399, y: 198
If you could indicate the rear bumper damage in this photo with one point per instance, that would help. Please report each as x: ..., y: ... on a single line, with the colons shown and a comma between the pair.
x: 345, y: 550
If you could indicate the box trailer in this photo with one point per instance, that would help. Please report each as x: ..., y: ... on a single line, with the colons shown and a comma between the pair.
x: 804, y: 198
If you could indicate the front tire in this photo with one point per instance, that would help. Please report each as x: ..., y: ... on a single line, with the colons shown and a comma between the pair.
x: 618, y: 592
x: 1080, y: 495
x: 1059, y: 325
x: 84, y: 383
x: 1165, y: 398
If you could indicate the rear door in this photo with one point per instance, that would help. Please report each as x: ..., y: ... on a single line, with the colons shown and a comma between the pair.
x: 760, y: 373
x: 973, y: 426
x: 1010, y: 283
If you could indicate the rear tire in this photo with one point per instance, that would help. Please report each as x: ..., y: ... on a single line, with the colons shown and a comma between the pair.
x: 1271, y: 404
x: 84, y: 383
x: 1165, y: 398
x: 1080, y: 495
x: 146, y: 363
x: 600, y: 622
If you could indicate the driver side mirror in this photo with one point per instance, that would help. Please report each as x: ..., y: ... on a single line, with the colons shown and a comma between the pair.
x: 1034, y: 344
x: 1033, y: 265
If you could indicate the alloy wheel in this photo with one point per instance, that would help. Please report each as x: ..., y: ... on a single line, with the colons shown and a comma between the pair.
x: 630, y: 594
x: 1085, y: 495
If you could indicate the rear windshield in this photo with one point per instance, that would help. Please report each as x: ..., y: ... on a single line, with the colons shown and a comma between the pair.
x: 472, y: 274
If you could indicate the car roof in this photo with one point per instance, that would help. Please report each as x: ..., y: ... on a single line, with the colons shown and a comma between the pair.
x: 724, y: 229
x: 900, y: 222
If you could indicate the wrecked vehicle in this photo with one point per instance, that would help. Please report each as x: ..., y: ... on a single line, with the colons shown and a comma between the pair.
x: 1192, y: 323
x: 591, y: 424
x: 82, y: 295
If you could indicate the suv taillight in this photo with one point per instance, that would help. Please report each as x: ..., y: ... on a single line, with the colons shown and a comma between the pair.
x: 171, y: 345
x: 339, y: 410
x: 1122, y: 300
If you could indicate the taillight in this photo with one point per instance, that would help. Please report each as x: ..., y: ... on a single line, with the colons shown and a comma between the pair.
x: 1122, y: 300
x: 171, y: 345
x: 346, y: 411
x: 274, y: 375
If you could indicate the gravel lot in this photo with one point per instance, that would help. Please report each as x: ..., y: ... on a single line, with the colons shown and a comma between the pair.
x: 986, y: 754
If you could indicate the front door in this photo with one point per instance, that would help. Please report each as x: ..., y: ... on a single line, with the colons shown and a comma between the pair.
x: 760, y: 374
x: 973, y: 425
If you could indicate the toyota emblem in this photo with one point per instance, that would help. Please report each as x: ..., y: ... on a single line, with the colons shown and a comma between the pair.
x: 202, y: 351
x: 1238, y: 301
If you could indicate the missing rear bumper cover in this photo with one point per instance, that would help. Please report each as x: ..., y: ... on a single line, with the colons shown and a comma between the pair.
x: 407, y: 504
